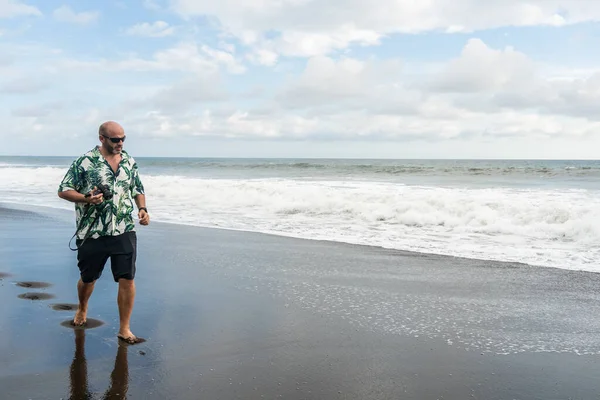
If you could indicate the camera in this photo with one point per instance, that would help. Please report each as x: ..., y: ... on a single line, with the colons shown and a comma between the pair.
x: 105, y: 190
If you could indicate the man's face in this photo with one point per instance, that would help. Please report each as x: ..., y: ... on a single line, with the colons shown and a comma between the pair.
x: 108, y: 142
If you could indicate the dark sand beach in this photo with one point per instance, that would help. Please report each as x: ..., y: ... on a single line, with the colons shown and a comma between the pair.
x: 238, y: 315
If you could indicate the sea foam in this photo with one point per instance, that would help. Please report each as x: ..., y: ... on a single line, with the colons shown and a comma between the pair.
x: 545, y: 227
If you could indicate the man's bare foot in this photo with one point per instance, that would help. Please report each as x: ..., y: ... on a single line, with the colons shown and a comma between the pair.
x: 80, y: 317
x: 129, y: 337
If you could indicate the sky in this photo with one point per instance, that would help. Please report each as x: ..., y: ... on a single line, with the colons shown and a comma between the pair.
x: 303, y: 78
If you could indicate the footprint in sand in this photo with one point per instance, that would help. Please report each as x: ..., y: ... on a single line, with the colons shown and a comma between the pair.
x: 36, y: 296
x: 63, y: 307
x: 91, y: 323
x: 34, y: 285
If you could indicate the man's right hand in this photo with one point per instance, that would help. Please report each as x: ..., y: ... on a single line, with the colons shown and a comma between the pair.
x: 94, y: 199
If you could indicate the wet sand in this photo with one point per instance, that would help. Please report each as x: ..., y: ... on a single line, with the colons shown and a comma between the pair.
x: 237, y: 315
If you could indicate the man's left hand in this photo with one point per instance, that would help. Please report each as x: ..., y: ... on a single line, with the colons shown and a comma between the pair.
x: 144, y: 217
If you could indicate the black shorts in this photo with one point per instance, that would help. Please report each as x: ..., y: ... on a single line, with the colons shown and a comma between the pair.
x: 92, y: 256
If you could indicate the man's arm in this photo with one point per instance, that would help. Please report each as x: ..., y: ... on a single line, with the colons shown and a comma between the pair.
x: 140, y: 201
x: 72, y: 195
x: 72, y: 183
x: 76, y: 197
x: 137, y: 191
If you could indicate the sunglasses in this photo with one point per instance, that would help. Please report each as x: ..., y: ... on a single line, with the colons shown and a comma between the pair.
x: 115, y: 139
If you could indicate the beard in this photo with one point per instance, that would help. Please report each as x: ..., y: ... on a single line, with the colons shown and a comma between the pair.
x: 112, y: 149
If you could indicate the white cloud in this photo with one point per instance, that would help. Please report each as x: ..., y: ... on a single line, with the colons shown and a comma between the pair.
x: 36, y: 111
x: 152, y: 5
x: 481, y: 80
x: 579, y: 97
x: 307, y: 44
x: 349, y: 82
x: 187, y: 94
x: 263, y: 57
x: 489, y: 80
x: 183, y: 57
x: 391, y: 15
x: 353, y: 126
x: 480, y: 68
x: 16, y: 8
x: 224, y: 57
x: 65, y: 14
x: 469, y: 97
x: 309, y: 28
x: 156, y: 29
x: 483, y: 95
x: 23, y: 86
x: 5, y: 60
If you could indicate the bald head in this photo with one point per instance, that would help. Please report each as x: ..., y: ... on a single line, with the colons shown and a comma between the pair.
x: 112, y: 137
x: 111, y: 128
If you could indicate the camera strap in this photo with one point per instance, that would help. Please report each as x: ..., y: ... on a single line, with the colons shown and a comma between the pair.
x: 86, y: 236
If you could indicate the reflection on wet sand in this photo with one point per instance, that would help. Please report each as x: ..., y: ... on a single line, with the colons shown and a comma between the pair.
x: 119, y: 378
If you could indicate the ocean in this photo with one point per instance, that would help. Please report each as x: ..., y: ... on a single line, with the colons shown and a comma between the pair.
x: 538, y: 212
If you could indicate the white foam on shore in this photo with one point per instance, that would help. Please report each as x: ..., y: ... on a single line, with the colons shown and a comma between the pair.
x: 479, y: 325
x: 556, y: 228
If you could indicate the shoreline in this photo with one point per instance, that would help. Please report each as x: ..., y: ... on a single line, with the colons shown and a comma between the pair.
x: 17, y: 206
x: 240, y: 315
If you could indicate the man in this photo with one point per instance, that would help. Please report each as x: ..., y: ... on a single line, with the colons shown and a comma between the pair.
x: 105, y: 227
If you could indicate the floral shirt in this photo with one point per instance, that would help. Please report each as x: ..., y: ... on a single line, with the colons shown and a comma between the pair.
x: 111, y: 217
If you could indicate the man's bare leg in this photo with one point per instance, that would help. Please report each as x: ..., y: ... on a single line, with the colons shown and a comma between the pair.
x: 125, y: 300
x: 84, y: 291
